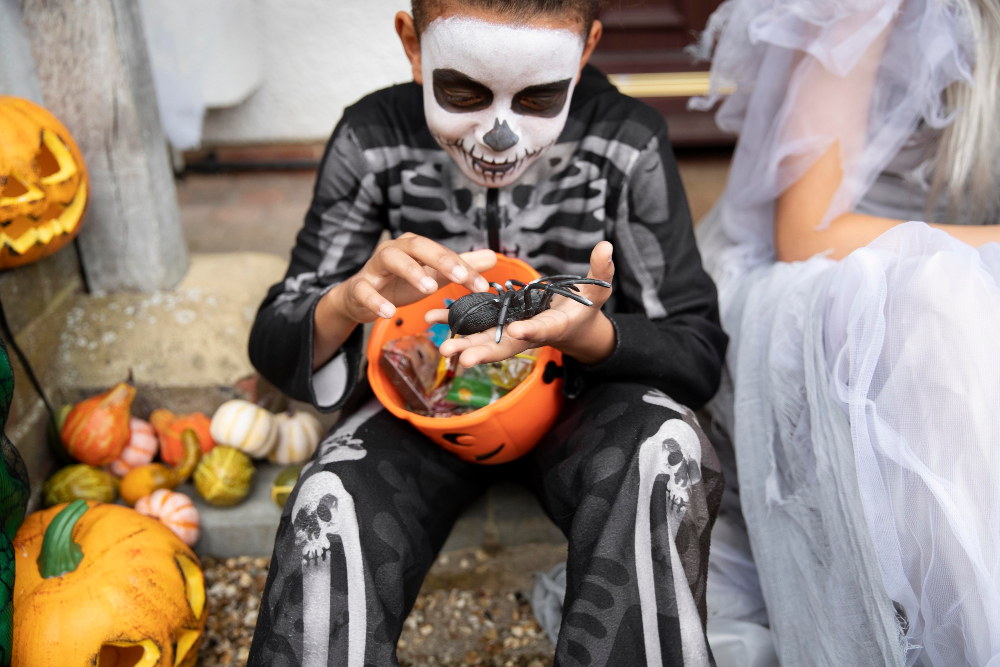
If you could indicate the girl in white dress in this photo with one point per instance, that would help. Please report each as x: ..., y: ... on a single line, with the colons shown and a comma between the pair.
x: 864, y: 405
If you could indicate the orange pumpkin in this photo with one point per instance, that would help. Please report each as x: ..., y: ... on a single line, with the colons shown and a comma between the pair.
x: 175, y: 511
x: 140, y: 450
x: 43, y: 183
x: 500, y: 432
x: 170, y: 427
x: 145, y: 479
x: 104, y: 585
x: 96, y: 430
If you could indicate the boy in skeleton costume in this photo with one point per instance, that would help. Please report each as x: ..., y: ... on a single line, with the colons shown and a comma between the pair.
x: 506, y: 141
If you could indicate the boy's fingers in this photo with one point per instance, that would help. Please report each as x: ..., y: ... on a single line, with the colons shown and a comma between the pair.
x: 365, y: 294
x: 480, y: 260
x: 395, y: 261
x: 601, y: 266
x: 447, y: 262
x: 436, y: 316
x: 482, y: 354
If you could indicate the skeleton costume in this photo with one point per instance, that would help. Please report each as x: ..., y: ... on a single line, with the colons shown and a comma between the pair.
x: 626, y: 472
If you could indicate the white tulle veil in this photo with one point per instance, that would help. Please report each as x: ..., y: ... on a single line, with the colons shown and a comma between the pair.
x: 866, y: 414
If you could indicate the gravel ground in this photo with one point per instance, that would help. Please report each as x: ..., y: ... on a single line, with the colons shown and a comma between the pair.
x: 473, y: 609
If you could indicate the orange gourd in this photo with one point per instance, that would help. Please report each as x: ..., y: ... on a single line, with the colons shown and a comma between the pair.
x: 96, y: 430
x: 144, y: 480
x: 175, y: 511
x: 104, y: 585
x: 140, y: 450
x: 170, y: 427
x: 190, y: 456
x: 43, y: 183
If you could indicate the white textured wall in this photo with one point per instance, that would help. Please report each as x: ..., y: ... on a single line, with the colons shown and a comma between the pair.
x: 318, y: 56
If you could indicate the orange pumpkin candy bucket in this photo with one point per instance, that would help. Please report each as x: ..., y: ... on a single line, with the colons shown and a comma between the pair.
x: 498, y: 433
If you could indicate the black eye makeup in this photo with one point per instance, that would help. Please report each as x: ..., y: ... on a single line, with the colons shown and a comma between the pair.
x: 544, y: 100
x: 460, y: 93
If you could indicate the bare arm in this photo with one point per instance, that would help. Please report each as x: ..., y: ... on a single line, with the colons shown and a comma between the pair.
x: 800, y: 209
x: 837, y: 106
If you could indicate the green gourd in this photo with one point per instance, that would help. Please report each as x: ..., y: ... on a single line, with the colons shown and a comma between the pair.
x: 224, y: 475
x: 80, y: 482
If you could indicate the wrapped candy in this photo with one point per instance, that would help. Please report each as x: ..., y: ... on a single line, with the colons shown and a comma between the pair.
x: 411, y: 363
x: 509, y: 373
x: 437, y: 386
x: 474, y: 388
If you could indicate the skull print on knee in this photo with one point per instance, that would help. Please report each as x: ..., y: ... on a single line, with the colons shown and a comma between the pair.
x: 323, y: 513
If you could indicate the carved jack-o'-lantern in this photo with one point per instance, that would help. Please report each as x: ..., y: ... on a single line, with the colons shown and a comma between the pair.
x: 104, y: 586
x: 43, y: 183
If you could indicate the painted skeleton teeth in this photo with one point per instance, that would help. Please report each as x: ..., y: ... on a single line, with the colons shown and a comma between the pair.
x: 490, y: 169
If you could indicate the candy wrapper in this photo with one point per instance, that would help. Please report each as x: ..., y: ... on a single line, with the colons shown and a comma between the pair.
x: 474, y: 388
x: 437, y: 386
x: 412, y: 364
x: 509, y: 373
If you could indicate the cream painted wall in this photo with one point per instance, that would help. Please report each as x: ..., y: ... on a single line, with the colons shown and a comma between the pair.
x: 317, y: 57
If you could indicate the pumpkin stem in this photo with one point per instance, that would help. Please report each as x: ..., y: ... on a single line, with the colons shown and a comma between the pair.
x: 60, y: 554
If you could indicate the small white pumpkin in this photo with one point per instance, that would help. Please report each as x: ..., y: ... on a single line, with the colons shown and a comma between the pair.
x: 298, y: 437
x: 245, y: 426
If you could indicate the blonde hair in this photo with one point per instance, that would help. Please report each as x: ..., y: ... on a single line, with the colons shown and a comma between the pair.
x: 968, y: 161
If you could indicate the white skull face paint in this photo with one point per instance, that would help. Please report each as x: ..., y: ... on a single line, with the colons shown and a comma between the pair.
x: 497, y: 96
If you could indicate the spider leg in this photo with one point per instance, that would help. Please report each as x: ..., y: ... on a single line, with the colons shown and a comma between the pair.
x: 519, y: 297
x: 561, y: 276
x: 503, y: 313
x: 582, y: 281
x: 569, y: 295
x: 498, y: 287
x: 538, y: 287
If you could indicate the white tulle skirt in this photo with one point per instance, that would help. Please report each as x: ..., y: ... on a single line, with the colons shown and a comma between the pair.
x: 867, y: 433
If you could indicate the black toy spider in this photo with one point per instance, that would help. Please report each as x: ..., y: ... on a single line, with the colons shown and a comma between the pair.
x: 481, y: 310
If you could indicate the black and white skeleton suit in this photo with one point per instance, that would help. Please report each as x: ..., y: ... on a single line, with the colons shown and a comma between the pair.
x: 626, y: 473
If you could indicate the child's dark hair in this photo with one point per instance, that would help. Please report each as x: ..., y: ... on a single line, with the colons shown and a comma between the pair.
x: 515, y: 10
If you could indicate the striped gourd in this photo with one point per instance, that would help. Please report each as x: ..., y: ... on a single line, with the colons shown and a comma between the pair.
x: 245, y: 426
x: 223, y: 476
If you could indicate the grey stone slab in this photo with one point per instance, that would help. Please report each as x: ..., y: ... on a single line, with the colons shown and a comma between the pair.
x: 246, y: 529
x: 249, y: 528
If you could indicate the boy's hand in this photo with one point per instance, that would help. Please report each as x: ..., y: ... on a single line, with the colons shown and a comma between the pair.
x: 403, y: 271
x: 400, y: 272
x: 582, y: 332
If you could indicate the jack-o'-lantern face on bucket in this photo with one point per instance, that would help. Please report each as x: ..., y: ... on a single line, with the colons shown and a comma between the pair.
x: 43, y: 183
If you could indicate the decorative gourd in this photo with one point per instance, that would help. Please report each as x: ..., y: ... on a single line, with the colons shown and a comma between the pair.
x: 104, y: 585
x: 298, y: 437
x: 223, y: 476
x: 145, y: 479
x: 140, y: 450
x: 169, y: 427
x: 80, y: 481
x: 283, y: 484
x: 175, y: 511
x: 245, y: 426
x: 96, y: 430
x: 43, y: 183
x: 190, y: 456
